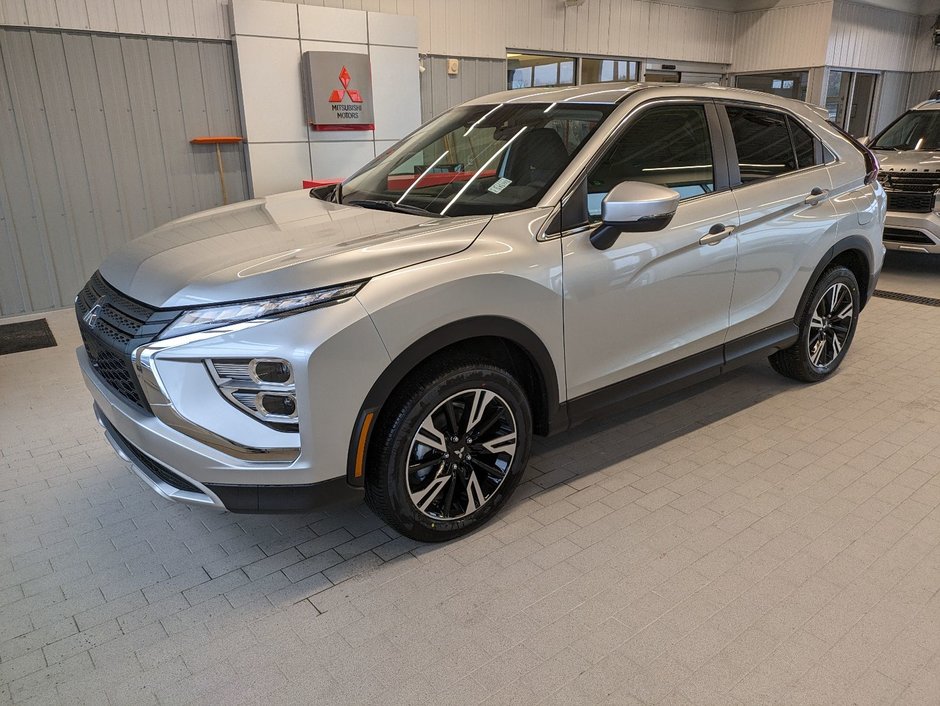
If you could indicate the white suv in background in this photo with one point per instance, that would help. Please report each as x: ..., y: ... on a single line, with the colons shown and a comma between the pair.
x: 908, y: 151
x: 522, y: 263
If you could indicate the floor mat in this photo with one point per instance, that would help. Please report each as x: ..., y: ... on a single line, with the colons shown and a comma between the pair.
x: 25, y: 336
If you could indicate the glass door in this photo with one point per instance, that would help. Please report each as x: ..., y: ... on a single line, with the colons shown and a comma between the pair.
x: 849, y: 98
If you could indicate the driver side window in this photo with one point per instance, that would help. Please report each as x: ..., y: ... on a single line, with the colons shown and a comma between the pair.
x: 667, y: 145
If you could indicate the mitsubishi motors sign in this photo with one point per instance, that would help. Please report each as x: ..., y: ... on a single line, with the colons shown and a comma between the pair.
x: 338, y: 90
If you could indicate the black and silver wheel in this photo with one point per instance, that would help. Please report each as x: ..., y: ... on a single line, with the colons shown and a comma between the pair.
x: 450, y: 452
x: 827, y: 327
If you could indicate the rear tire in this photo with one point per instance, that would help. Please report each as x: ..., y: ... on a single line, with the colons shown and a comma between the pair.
x: 827, y: 327
x: 449, y: 449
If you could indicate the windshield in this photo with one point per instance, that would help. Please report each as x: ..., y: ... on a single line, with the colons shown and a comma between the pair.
x: 917, y: 130
x: 479, y: 159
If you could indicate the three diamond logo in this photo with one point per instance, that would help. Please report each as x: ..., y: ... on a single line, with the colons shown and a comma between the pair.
x: 337, y: 95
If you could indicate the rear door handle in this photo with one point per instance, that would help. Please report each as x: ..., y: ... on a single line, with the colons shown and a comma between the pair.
x: 816, y: 195
x: 716, y: 234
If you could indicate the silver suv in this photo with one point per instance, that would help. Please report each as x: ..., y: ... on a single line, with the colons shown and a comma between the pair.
x: 909, y: 153
x: 522, y: 263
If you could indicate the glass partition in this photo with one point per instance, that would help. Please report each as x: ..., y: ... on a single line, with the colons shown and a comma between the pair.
x: 790, y: 84
x: 529, y: 70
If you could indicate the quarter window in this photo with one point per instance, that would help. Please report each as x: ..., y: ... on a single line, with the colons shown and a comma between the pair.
x: 667, y: 145
x: 804, y: 144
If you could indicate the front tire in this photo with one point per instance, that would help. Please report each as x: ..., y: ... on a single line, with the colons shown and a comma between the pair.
x: 827, y: 327
x: 450, y: 450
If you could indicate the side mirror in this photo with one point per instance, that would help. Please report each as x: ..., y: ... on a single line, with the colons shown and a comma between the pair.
x: 863, y: 141
x: 634, y: 206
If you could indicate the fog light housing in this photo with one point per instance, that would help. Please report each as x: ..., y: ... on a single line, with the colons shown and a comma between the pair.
x: 279, y: 405
x: 275, y: 371
x: 261, y: 387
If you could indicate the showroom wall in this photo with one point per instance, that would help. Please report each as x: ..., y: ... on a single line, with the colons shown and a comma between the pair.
x: 269, y: 40
x: 94, y: 150
x: 100, y: 97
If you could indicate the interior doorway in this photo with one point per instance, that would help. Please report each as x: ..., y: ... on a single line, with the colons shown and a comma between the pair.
x: 849, y: 99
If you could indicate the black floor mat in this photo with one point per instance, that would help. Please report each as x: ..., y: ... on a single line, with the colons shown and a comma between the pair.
x: 25, y: 336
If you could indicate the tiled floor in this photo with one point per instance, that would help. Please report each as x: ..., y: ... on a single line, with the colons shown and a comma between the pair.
x: 748, y: 541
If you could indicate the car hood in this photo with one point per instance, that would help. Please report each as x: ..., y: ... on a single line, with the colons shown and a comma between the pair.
x: 276, y: 245
x: 894, y: 161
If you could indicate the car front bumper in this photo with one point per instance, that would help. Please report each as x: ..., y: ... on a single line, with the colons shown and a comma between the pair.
x: 912, y: 232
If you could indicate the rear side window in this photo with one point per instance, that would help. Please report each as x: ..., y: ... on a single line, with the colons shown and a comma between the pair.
x: 763, y: 143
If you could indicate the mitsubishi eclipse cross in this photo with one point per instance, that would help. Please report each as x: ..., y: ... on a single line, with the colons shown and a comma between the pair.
x: 525, y: 261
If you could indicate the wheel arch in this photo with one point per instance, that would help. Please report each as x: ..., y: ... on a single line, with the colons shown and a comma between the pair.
x: 854, y: 252
x: 497, y: 339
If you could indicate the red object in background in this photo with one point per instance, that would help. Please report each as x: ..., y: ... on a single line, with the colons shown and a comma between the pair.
x: 403, y: 181
x: 317, y: 183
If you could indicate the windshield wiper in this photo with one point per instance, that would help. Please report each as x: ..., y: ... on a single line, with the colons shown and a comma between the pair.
x: 384, y: 205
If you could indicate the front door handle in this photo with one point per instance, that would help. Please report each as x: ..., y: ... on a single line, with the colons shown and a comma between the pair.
x: 716, y: 234
x: 816, y: 195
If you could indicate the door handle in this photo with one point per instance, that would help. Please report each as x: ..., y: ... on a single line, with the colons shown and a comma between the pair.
x: 816, y: 195
x: 716, y: 234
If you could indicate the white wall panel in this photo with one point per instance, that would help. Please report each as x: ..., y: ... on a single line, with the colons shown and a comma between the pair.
x: 866, y: 37
x: 391, y: 30
x: 338, y: 160
x: 468, y: 28
x: 269, y: 76
x: 277, y: 167
x: 397, y: 102
x: 331, y: 24
x: 782, y: 38
x: 266, y: 19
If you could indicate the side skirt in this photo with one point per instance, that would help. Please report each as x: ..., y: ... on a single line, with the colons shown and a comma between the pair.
x: 683, y: 373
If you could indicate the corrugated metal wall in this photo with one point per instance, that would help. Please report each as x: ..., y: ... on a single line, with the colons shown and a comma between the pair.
x: 94, y: 150
x: 472, y: 28
x: 892, y: 93
x: 477, y: 77
x: 789, y: 37
x: 866, y: 37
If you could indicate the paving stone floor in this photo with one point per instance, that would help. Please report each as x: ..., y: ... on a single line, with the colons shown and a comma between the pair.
x: 747, y: 541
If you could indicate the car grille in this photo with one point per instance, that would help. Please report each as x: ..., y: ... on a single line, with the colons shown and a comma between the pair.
x: 112, y: 326
x: 905, y: 235
x: 911, y: 201
x: 910, y: 181
x: 154, y: 467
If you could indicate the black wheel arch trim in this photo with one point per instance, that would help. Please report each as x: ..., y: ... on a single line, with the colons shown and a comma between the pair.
x: 851, y: 242
x: 436, y: 341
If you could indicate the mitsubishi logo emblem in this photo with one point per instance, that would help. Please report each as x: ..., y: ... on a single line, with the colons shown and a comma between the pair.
x: 337, y: 95
x: 91, y: 316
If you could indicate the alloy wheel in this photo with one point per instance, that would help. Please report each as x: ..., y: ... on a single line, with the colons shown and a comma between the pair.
x: 831, y: 325
x: 461, y: 454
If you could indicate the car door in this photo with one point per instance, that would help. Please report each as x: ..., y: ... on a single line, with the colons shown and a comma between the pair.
x: 653, y: 298
x: 782, y: 188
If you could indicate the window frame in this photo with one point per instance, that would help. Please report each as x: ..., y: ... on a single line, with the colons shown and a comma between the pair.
x: 570, y: 222
x: 731, y: 148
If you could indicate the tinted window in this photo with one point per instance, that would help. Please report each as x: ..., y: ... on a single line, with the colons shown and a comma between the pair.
x: 763, y: 143
x: 667, y: 145
x: 804, y: 143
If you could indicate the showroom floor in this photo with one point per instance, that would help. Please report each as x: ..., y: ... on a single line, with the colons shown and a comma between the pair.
x: 748, y: 541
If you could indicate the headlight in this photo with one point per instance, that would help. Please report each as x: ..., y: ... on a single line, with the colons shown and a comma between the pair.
x: 214, y: 316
